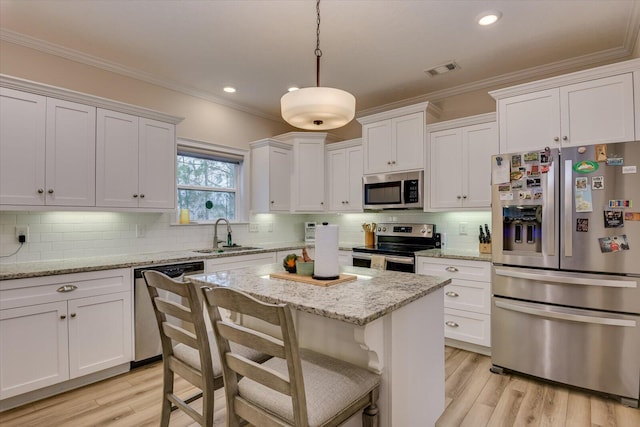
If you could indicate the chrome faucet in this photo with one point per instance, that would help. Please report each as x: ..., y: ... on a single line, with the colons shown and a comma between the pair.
x: 215, y: 233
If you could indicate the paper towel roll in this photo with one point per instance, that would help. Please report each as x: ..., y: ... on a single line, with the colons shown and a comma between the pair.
x: 326, y: 254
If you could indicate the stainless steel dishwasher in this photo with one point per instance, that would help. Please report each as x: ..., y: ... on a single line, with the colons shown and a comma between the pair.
x: 147, y: 337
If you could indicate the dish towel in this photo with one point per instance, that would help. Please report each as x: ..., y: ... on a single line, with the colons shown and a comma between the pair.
x: 378, y: 262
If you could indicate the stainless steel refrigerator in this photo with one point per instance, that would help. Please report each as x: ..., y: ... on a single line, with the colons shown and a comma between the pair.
x: 566, y: 274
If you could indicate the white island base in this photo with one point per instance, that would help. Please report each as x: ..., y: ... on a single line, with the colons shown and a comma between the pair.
x: 406, y: 346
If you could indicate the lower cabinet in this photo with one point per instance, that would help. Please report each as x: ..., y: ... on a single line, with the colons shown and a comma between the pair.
x: 58, y: 328
x: 467, y: 300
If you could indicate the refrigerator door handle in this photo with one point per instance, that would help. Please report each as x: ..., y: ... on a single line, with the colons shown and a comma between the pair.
x: 568, y: 208
x: 557, y: 313
x: 551, y: 197
x: 519, y: 274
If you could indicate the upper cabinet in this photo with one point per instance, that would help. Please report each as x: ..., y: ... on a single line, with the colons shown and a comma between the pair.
x: 136, y: 160
x: 588, y: 107
x: 393, y: 141
x: 60, y: 148
x: 344, y: 176
x: 459, y: 159
x: 287, y: 173
x: 308, y: 182
x: 270, y: 176
x: 47, y: 151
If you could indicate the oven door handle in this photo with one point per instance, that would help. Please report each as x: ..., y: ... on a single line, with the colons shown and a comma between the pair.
x: 556, y: 313
x: 566, y: 279
x: 389, y: 258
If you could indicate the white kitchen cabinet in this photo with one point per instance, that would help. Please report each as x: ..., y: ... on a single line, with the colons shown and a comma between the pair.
x: 395, y: 144
x: 308, y: 173
x: 271, y: 165
x: 59, y: 328
x: 47, y: 151
x: 344, y: 176
x: 238, y: 261
x: 585, y: 108
x: 460, y: 163
x: 135, y: 162
x: 467, y: 300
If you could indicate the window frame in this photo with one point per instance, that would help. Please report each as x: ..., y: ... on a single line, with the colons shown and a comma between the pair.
x: 186, y: 146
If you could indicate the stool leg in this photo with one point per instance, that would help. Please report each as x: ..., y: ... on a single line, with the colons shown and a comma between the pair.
x: 370, y: 416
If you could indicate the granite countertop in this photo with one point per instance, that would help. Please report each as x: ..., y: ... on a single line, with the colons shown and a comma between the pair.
x: 471, y: 255
x: 79, y: 265
x: 374, y: 294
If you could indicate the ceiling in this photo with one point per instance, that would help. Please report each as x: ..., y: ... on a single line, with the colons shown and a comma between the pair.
x: 377, y: 50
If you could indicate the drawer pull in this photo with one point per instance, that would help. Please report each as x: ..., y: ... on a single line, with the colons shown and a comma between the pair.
x: 67, y: 288
x: 63, y: 317
x: 73, y: 315
x: 452, y: 294
x: 451, y: 324
x: 452, y: 269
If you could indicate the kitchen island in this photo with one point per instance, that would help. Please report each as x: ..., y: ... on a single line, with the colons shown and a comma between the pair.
x: 389, y: 322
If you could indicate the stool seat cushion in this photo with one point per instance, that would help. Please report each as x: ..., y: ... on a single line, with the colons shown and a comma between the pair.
x: 330, y: 386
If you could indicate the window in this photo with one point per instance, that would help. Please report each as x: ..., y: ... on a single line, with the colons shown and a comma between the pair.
x: 208, y: 183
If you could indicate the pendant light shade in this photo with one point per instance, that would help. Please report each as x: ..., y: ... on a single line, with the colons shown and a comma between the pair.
x: 318, y: 108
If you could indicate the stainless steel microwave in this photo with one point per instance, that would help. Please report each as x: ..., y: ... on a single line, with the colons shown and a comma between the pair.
x: 393, y: 191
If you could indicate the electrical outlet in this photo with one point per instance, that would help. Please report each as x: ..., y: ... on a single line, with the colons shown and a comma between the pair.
x: 463, y: 229
x: 253, y: 227
x: 22, y: 230
x: 270, y: 227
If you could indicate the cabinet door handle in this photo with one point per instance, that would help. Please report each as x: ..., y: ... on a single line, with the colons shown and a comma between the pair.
x: 67, y: 288
x: 393, y: 162
x: 565, y: 138
x: 135, y: 196
x: 556, y: 139
x: 73, y: 315
x: 451, y: 324
x: 452, y: 294
x: 272, y: 202
x: 452, y: 269
x: 388, y: 163
x: 50, y: 191
x: 464, y: 197
x: 40, y: 190
x: 458, y: 197
x: 142, y: 196
x: 63, y: 317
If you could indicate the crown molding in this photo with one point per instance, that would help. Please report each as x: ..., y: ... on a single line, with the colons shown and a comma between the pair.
x: 94, y: 61
x: 464, y: 121
x: 15, y: 83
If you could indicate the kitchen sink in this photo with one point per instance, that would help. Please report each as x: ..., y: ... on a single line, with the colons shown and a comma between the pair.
x: 224, y: 249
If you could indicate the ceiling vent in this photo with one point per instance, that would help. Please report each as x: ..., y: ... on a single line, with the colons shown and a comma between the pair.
x: 441, y: 69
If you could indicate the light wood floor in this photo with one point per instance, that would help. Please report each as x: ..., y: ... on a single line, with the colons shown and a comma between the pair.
x: 474, y: 397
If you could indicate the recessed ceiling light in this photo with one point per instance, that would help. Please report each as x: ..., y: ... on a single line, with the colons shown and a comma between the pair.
x: 489, y: 17
x: 292, y: 88
x: 229, y: 89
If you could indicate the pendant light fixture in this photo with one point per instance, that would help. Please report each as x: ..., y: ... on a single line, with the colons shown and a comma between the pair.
x: 318, y: 108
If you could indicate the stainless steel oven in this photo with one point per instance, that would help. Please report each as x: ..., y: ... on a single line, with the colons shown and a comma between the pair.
x: 397, y: 243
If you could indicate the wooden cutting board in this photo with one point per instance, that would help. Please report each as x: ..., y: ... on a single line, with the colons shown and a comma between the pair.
x: 311, y: 281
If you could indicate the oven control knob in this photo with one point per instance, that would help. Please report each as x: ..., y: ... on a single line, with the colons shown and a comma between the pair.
x: 423, y: 231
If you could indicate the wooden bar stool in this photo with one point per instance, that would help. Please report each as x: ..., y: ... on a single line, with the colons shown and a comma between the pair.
x: 296, y: 387
x: 188, y: 349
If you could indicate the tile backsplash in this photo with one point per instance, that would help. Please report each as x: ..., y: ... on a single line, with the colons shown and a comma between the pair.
x: 63, y: 235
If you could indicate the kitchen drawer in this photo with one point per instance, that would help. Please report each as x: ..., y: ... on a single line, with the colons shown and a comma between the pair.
x: 63, y: 287
x: 455, y: 268
x: 466, y: 326
x: 468, y: 295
